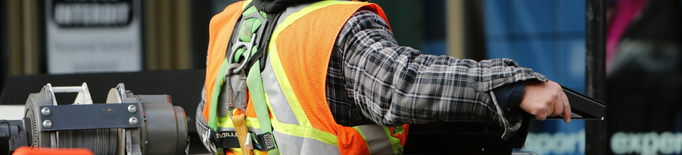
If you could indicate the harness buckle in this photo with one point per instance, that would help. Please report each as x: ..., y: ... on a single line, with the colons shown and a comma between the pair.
x: 234, y: 98
x: 206, y: 139
x: 266, y: 141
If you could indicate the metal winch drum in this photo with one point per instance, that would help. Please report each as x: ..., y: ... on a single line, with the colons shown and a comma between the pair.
x: 125, y: 124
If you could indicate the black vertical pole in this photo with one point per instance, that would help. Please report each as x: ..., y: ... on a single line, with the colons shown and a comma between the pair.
x: 200, y: 17
x: 4, y: 49
x: 595, y: 72
x: 474, y: 30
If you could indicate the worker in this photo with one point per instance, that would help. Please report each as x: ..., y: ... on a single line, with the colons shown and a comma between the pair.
x: 327, y: 77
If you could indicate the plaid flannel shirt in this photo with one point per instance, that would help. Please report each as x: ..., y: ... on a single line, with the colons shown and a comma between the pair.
x: 373, y: 80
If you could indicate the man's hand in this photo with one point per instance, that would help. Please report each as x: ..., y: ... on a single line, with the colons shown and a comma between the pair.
x: 542, y: 99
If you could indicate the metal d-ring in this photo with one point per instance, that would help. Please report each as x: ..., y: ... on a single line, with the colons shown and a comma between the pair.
x: 238, y: 45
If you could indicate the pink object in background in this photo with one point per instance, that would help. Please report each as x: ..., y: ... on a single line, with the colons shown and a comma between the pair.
x: 624, y: 13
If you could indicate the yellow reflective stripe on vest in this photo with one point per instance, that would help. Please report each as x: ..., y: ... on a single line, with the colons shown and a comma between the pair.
x: 376, y: 138
x: 395, y: 142
x: 304, y: 124
x: 291, y: 137
x: 285, y: 85
x: 273, y: 93
x: 302, y: 131
x: 281, y: 76
x: 277, y: 63
x: 301, y: 145
x: 226, y: 122
x: 363, y: 137
x: 293, y: 143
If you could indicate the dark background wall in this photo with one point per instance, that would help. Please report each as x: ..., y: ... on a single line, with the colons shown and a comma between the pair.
x: 3, y: 43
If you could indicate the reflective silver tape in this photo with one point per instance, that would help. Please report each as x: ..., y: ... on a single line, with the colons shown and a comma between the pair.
x: 377, y: 139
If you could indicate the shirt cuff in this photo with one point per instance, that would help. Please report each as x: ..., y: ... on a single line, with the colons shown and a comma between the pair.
x: 510, y: 96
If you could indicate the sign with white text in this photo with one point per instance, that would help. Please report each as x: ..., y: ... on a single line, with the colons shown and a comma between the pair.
x: 93, y: 36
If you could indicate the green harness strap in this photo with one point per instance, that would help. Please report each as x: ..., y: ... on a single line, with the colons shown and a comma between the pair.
x: 212, y: 116
x: 254, y: 82
x: 251, y: 26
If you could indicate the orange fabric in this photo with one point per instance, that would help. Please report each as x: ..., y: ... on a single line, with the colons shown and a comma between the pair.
x: 250, y: 111
x: 25, y: 150
x: 220, y: 31
x: 403, y: 136
x: 305, y: 55
x: 350, y: 141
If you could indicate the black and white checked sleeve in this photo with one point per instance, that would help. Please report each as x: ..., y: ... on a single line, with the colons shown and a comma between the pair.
x: 393, y: 84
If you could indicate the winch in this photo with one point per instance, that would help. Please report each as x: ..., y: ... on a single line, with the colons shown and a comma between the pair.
x: 126, y: 124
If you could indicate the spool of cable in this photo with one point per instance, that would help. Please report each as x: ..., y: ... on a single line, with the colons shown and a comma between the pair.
x: 99, y: 141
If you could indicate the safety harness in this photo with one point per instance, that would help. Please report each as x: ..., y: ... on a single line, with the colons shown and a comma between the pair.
x: 246, y: 54
x: 288, y: 102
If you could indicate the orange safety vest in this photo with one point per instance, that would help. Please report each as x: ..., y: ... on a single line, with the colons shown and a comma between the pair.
x: 294, y: 82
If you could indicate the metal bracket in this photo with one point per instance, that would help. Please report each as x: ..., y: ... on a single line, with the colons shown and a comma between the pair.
x: 133, y: 142
x: 90, y: 116
x: 83, y: 91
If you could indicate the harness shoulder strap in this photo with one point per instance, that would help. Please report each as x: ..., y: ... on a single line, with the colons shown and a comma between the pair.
x: 248, y: 49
